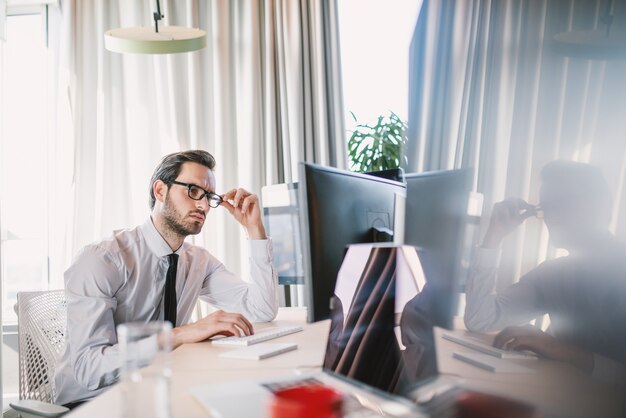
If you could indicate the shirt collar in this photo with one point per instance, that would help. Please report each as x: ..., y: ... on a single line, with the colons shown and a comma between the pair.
x: 155, y: 241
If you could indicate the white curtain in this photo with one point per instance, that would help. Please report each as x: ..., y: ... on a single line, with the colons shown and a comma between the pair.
x: 488, y: 90
x: 2, y: 40
x: 261, y: 97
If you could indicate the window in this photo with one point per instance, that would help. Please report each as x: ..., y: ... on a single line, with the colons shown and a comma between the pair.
x: 24, y: 183
x: 375, y: 36
x: 24, y: 211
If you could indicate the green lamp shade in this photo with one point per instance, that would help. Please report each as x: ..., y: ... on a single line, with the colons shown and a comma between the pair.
x: 592, y: 44
x: 144, y: 40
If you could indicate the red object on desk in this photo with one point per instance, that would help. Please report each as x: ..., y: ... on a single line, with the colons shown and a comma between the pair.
x: 481, y: 405
x: 315, y: 401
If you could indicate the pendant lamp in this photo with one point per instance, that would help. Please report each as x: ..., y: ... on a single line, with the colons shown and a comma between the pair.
x: 604, y: 43
x: 148, y: 40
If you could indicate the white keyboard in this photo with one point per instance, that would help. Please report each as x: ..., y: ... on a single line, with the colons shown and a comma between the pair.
x: 490, y: 363
x: 259, y: 351
x: 264, y: 335
x: 488, y: 349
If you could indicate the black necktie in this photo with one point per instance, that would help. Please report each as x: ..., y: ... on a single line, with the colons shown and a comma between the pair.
x: 170, y: 290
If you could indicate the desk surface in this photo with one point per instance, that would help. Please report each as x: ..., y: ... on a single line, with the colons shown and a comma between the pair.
x: 553, y: 386
x: 558, y: 389
x: 198, y: 364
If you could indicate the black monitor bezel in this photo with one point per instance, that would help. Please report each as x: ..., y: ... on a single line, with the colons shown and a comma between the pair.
x: 316, y: 313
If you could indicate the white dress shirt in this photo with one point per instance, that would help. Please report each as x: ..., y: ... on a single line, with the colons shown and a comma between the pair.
x: 584, y: 295
x: 122, y: 279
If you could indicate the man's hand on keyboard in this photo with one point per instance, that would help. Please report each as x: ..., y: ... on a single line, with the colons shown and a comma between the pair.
x: 533, y: 339
x: 217, y: 323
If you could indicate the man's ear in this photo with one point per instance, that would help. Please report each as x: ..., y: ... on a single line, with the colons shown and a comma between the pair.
x: 160, y: 190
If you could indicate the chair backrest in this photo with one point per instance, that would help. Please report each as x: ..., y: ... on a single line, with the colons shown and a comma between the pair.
x: 42, y: 321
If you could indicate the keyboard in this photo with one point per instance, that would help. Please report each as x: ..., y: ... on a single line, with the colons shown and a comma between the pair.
x: 490, y: 363
x: 488, y: 349
x: 258, y: 337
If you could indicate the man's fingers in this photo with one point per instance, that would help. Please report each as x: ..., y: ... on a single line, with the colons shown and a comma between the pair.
x: 248, y: 324
x: 525, y: 342
x: 505, y: 336
x: 513, y: 210
x: 232, y: 328
x: 247, y: 202
x: 238, y: 320
x: 227, y: 329
x: 522, y: 204
x: 514, y: 203
x: 501, y: 340
x: 239, y: 202
x: 516, y: 214
x: 239, y: 196
x: 236, y: 197
x: 517, y: 208
x: 513, y: 343
x: 233, y: 197
x: 519, y: 338
x: 245, y: 325
x: 528, y: 213
x: 229, y: 194
x: 228, y: 206
x: 217, y: 323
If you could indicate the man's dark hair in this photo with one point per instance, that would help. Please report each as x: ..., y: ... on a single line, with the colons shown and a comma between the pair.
x: 169, y: 167
x: 581, y: 184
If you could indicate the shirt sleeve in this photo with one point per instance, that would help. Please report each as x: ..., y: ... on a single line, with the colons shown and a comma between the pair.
x: 90, y: 284
x: 257, y: 300
x: 608, y: 370
x: 487, y: 310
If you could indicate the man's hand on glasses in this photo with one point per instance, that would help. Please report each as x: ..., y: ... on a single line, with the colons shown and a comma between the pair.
x: 505, y: 217
x: 246, y: 209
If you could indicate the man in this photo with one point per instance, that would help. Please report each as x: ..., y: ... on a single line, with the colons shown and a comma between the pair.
x: 584, y: 293
x: 150, y: 273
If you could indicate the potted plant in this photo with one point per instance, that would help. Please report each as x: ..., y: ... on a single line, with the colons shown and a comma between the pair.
x: 379, y: 146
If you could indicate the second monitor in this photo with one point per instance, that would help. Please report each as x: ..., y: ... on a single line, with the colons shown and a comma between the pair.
x: 437, y: 222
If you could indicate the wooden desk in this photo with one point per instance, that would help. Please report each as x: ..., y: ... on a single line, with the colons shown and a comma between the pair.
x: 558, y: 389
x: 199, y: 364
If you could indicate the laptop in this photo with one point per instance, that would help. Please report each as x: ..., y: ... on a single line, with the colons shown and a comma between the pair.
x: 380, y: 352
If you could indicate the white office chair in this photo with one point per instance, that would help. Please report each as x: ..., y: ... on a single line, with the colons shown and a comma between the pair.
x: 42, y: 320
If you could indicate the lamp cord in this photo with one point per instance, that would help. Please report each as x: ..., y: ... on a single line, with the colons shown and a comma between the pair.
x: 157, y: 16
x: 608, y: 17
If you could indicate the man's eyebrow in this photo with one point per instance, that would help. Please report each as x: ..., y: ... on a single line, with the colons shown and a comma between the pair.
x: 200, y: 187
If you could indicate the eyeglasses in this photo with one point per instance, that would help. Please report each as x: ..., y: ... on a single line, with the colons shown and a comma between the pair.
x: 198, y: 193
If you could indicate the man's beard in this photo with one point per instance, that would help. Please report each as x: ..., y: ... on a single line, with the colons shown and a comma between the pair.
x: 176, y: 223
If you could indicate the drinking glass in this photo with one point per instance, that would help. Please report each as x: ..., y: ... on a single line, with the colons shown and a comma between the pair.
x: 145, y: 371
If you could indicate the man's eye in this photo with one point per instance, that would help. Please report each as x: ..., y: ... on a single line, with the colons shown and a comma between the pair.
x: 195, y: 192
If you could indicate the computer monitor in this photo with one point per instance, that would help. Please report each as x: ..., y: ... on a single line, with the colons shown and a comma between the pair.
x: 338, y: 208
x: 436, y: 221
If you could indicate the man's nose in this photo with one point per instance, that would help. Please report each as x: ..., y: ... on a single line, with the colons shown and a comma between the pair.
x: 203, y: 204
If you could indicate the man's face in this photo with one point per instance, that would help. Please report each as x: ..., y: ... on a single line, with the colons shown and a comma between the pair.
x: 564, y: 215
x: 183, y: 215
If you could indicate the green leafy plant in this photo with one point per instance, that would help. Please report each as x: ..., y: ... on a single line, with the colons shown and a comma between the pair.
x: 379, y: 146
